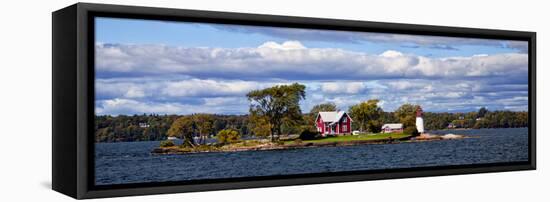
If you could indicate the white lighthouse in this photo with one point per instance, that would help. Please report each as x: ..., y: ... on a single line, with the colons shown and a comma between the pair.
x: 419, y: 120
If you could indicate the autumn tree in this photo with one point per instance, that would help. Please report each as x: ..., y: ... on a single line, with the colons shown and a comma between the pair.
x: 204, y: 125
x: 259, y: 125
x: 278, y: 103
x: 406, y: 114
x: 228, y: 136
x: 183, y: 128
x: 367, y: 115
x: 324, y: 107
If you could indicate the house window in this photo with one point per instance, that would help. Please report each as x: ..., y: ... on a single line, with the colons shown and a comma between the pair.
x: 344, y: 128
x: 345, y: 120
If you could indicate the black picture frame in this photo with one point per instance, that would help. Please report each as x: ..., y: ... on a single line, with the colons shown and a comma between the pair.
x: 73, y: 99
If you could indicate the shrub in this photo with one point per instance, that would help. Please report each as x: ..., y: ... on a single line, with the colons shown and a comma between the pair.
x: 309, y: 135
x: 280, y: 143
x: 298, y: 141
x: 167, y: 143
x: 411, y: 130
x: 374, y: 126
x: 228, y: 136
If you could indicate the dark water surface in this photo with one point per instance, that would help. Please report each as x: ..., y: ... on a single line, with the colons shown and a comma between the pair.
x: 131, y: 162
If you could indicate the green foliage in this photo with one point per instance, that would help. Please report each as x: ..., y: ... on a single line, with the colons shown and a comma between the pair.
x: 324, y: 107
x: 351, y: 138
x: 127, y: 128
x: 374, y: 126
x: 481, y: 113
x: 411, y: 130
x: 228, y: 136
x: 283, y: 102
x: 279, y: 104
x: 434, y: 121
x: 204, y: 125
x: 167, y: 143
x: 259, y: 125
x: 184, y: 128
x: 124, y: 128
x: 496, y: 119
x: 366, y: 115
x: 291, y: 126
x: 406, y: 114
x: 308, y: 122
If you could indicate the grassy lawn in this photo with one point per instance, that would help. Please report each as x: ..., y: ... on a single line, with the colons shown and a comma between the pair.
x: 377, y: 136
x: 265, y: 144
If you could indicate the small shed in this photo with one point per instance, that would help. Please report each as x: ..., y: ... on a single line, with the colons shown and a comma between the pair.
x: 392, y: 128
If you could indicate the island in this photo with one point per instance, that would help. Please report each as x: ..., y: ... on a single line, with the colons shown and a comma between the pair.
x: 290, y: 143
x: 275, y: 122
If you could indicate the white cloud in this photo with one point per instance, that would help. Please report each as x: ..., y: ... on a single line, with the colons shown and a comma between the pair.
x: 436, y: 42
x: 433, y: 95
x: 287, y: 45
x: 176, y: 88
x: 391, y: 54
x: 176, y: 80
x: 128, y: 106
x: 198, y: 87
x: 226, y: 101
x: 135, y: 93
x: 343, y: 87
x: 291, y: 60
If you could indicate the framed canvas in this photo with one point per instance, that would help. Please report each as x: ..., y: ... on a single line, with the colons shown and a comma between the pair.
x: 156, y: 100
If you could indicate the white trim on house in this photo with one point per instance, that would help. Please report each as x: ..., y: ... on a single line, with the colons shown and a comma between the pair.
x: 331, y: 121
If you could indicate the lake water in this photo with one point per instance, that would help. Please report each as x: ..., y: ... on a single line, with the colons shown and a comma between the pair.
x: 131, y: 162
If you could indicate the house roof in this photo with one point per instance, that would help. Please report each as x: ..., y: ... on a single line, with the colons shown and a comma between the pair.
x: 332, y: 117
x: 393, y: 126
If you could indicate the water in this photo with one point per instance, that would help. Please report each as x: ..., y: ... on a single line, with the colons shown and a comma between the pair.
x: 131, y: 162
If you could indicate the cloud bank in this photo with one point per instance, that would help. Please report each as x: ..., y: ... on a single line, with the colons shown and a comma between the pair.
x: 292, y: 60
x: 135, y: 79
x: 411, y: 41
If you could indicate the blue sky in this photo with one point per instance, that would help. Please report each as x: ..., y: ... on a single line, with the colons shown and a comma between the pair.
x: 132, y: 31
x: 146, y: 66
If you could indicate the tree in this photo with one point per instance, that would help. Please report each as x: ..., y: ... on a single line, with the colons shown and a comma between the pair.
x: 482, y: 111
x: 411, y: 131
x: 325, y: 107
x: 366, y: 114
x: 374, y: 126
x: 228, y: 136
x: 277, y: 103
x: 406, y: 114
x: 259, y: 125
x: 184, y: 128
x: 204, y: 125
x: 308, y: 123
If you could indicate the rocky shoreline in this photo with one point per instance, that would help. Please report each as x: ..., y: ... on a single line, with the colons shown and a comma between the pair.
x: 273, y: 146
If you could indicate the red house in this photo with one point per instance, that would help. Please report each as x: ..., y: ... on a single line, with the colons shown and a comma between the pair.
x: 333, y: 123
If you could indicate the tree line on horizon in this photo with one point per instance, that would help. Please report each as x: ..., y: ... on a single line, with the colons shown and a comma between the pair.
x: 276, y: 112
